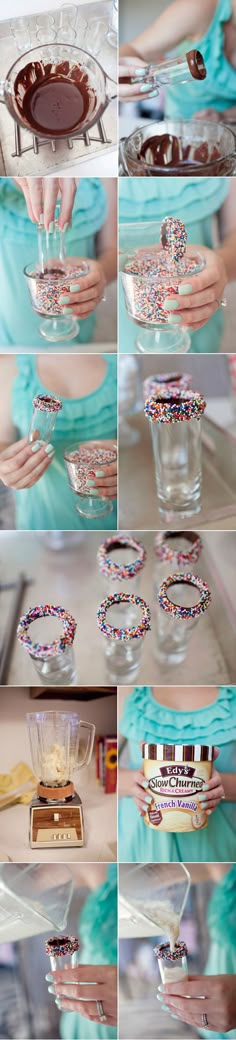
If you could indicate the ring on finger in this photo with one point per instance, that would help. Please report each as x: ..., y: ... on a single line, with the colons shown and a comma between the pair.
x: 100, y: 1011
x: 204, y: 1019
x: 222, y: 303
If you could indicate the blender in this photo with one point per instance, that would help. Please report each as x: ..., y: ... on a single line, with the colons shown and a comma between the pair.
x: 152, y: 900
x: 56, y: 812
x: 32, y: 900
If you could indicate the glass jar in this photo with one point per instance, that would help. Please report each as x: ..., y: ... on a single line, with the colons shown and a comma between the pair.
x: 175, y: 551
x: 45, y: 410
x: 81, y: 462
x: 176, y: 436
x: 172, y: 964
x: 123, y: 644
x: 176, y: 774
x: 54, y: 660
x: 181, y: 600
x: 121, y: 559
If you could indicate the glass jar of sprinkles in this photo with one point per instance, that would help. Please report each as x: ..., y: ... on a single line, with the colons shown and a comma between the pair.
x: 81, y: 462
x: 175, y: 417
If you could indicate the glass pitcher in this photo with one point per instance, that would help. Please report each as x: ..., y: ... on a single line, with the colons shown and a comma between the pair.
x: 153, y: 897
x: 33, y: 899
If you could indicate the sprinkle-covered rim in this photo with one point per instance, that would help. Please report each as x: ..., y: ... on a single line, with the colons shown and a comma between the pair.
x: 165, y: 552
x: 168, y: 380
x: 163, y: 951
x: 119, y: 571
x: 169, y: 406
x: 46, y: 649
x: 174, y: 608
x: 59, y: 945
x: 47, y: 403
x: 112, y: 632
x: 173, y: 237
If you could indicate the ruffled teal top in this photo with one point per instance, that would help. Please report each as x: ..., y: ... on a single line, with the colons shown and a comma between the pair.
x: 97, y: 929
x: 19, y: 325
x: 144, y: 719
x: 218, y: 90
x: 50, y: 504
x: 194, y: 200
x: 221, y: 921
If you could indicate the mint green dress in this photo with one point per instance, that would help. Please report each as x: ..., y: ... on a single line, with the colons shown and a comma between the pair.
x: 144, y: 719
x: 195, y: 200
x: 50, y: 504
x: 221, y: 921
x: 97, y: 931
x: 19, y: 325
x: 218, y: 90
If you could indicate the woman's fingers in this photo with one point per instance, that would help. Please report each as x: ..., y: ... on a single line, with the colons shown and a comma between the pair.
x: 197, y: 316
x: 19, y: 472
x: 51, y: 186
x: 191, y: 300
x: 80, y: 299
x: 68, y: 186
x: 34, y: 474
x: 95, y: 973
x: 35, y: 185
x: 77, y: 991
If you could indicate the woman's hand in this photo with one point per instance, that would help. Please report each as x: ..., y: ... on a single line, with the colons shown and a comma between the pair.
x: 219, y: 1004
x: 22, y: 464
x: 75, y: 991
x: 138, y: 786
x: 134, y: 68
x: 41, y: 194
x: 200, y: 295
x: 104, y: 480
x: 212, y: 792
x: 87, y: 293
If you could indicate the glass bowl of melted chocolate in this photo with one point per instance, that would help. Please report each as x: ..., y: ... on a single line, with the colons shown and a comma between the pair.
x: 57, y: 91
x: 180, y: 147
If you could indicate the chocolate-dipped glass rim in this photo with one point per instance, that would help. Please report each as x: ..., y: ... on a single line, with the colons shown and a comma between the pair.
x: 165, y: 552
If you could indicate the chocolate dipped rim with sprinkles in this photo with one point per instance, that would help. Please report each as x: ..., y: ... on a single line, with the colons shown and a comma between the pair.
x: 47, y: 403
x: 172, y: 406
x: 118, y: 571
x: 46, y: 650
x: 122, y: 633
x: 175, y: 609
x: 166, y: 380
x: 164, y: 952
x: 166, y: 549
x: 60, y: 945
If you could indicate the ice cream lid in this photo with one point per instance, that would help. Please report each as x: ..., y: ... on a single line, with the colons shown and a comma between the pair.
x: 178, y: 752
x: 164, y: 952
x: 60, y: 945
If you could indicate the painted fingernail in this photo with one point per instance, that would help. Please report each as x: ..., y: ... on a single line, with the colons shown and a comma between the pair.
x: 205, y: 787
x: 153, y: 93
x: 65, y: 226
x: 99, y: 473
x: 36, y: 446
x: 51, y: 989
x: 170, y: 305
x: 184, y: 290
x: 75, y: 287
x: 144, y: 783
x: 65, y: 299
x: 209, y: 812
x: 51, y: 225
x: 95, y: 491
x: 202, y: 799
x: 161, y: 988
x: 67, y: 310
x: 140, y: 72
x: 144, y: 807
x: 59, y: 1003
x: 49, y: 449
x: 148, y: 799
x: 174, y: 319
x: 90, y: 483
x: 41, y: 218
x: 49, y: 978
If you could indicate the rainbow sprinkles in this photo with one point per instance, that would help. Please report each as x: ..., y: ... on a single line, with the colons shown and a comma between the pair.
x: 45, y: 650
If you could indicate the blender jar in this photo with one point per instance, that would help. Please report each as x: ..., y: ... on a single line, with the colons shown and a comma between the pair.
x: 33, y: 900
x: 57, y: 745
x: 153, y: 897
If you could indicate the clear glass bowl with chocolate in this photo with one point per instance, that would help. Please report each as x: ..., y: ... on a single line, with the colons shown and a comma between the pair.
x: 180, y: 148
x: 57, y: 91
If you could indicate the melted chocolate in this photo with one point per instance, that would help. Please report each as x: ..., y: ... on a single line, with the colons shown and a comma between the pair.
x: 196, y: 65
x: 54, y: 99
x: 167, y: 150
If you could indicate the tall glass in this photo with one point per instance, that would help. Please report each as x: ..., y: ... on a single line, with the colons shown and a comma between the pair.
x: 43, y: 419
x: 176, y: 437
x: 181, y: 600
x: 81, y: 462
x: 123, y: 644
x: 130, y: 397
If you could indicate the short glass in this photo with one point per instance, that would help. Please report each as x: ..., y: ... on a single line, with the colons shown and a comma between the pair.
x: 112, y: 34
x: 81, y: 461
x: 45, y: 28
x: 175, y: 418
x: 130, y: 397
x: 121, y: 559
x: 63, y: 952
x: 95, y: 35
x: 43, y: 419
x: 21, y: 32
x: 181, y: 600
x: 58, y: 670
x: 46, y: 288
x: 123, y: 644
x: 67, y: 17
x: 54, y: 657
x: 172, y: 964
x: 175, y: 551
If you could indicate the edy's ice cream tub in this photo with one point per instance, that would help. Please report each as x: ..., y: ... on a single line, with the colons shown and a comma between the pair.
x: 176, y: 774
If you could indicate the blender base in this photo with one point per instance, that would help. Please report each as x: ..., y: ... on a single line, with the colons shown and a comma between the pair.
x: 163, y: 341
x: 59, y: 329
x: 56, y: 824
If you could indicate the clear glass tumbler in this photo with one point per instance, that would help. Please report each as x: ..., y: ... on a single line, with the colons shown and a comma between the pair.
x: 172, y: 964
x: 181, y: 600
x: 175, y: 418
x: 43, y: 419
x: 123, y: 644
x: 58, y: 670
x: 112, y: 34
x: 63, y: 951
x: 81, y: 462
x: 54, y: 657
x: 130, y: 397
x: 175, y: 551
x: 121, y: 559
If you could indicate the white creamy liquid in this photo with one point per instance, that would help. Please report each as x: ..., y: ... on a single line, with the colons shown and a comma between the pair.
x: 165, y: 917
x: 174, y: 974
